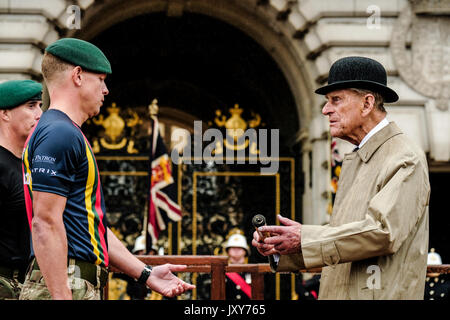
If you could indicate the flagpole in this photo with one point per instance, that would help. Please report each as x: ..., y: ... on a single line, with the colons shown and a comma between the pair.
x: 153, y: 111
x: 145, y: 226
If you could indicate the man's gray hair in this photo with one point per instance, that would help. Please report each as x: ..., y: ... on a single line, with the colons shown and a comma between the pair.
x: 379, y: 100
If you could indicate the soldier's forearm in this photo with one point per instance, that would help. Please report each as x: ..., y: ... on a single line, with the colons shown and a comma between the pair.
x: 123, y: 259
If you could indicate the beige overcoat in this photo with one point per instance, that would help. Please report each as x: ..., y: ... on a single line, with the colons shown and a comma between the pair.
x: 376, y: 244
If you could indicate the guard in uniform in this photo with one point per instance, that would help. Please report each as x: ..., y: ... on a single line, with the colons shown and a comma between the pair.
x: 20, y: 110
x: 307, y: 289
x: 238, y: 285
x: 437, y: 286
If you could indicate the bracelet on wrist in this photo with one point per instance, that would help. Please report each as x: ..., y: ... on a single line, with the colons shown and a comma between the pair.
x: 145, y: 274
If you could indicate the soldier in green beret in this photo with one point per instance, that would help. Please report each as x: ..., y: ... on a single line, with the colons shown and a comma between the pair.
x: 20, y: 110
x: 72, y: 244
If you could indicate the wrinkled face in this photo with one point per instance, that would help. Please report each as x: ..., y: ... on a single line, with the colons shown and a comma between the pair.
x: 236, y: 255
x: 93, y: 92
x: 343, y: 109
x: 24, y: 118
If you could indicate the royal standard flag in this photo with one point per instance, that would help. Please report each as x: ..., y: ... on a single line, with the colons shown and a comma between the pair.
x: 163, y: 207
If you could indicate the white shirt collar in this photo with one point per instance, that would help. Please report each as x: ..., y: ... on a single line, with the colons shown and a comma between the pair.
x: 383, y: 123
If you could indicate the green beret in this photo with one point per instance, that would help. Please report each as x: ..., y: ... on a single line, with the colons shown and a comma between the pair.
x: 80, y: 53
x: 16, y: 92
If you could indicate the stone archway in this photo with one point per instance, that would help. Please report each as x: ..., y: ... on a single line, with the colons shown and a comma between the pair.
x: 258, y: 22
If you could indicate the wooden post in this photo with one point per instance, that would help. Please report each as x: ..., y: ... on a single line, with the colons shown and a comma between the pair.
x: 106, y: 291
x: 257, y: 286
x: 218, y: 281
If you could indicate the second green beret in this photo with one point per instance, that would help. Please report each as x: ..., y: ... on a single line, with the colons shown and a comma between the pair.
x: 80, y: 53
x: 13, y: 93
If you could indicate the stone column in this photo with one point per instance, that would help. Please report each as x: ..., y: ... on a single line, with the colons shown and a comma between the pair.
x: 26, y: 28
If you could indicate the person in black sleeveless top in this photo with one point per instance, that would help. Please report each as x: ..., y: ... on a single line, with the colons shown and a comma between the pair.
x: 20, y: 110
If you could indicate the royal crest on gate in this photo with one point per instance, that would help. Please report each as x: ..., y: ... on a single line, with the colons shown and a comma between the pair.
x: 236, y: 127
x: 114, y: 130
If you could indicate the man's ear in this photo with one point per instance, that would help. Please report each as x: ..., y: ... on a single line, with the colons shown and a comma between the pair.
x: 4, y: 115
x: 368, y: 104
x: 77, y: 76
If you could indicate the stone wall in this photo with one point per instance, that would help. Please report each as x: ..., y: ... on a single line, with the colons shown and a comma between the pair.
x: 410, y: 38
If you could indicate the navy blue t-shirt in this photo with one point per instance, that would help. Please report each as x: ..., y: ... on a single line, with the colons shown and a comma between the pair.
x: 58, y: 159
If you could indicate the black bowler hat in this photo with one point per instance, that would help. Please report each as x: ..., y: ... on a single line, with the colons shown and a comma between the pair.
x: 359, y: 73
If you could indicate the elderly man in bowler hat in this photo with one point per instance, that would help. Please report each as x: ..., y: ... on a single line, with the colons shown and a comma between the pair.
x: 72, y: 245
x: 375, y: 246
x: 20, y: 110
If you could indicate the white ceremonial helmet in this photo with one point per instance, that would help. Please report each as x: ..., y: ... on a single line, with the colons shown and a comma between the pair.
x: 237, y: 240
x: 139, y: 244
x: 434, y: 257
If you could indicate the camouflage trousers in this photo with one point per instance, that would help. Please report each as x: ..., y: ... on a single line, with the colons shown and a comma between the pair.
x: 9, y: 288
x: 34, y: 287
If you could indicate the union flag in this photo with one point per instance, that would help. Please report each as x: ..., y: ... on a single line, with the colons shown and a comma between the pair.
x: 163, y: 206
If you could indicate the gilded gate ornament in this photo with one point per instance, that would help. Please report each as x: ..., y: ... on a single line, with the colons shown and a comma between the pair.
x: 236, y: 127
x: 114, y: 126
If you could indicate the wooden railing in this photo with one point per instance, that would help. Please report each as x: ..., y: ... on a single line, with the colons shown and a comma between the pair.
x: 208, y: 264
x: 438, y: 268
x: 218, y: 266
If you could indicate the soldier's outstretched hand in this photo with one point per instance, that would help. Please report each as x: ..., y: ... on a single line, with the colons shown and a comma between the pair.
x: 163, y: 281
